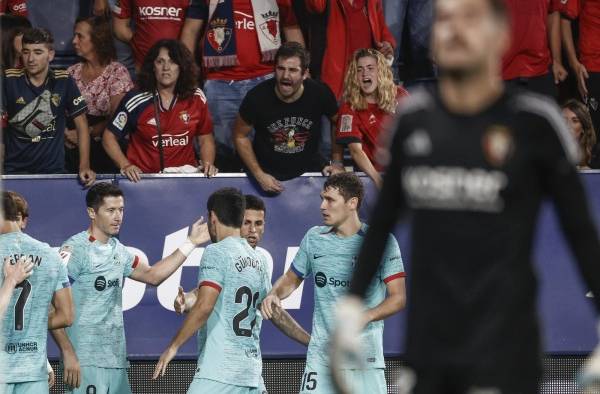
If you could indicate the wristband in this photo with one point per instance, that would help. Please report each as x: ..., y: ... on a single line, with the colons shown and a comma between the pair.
x: 187, y: 247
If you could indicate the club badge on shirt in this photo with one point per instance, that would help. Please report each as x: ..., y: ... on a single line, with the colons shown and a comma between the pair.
x: 497, y: 144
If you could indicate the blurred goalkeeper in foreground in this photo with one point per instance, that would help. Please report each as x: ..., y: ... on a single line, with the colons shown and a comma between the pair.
x: 473, y: 161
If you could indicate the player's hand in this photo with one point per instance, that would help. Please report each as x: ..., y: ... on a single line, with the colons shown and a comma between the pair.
x: 333, y: 169
x: 179, y: 303
x: 51, y: 378
x: 132, y: 172
x: 386, y: 49
x: 208, y: 169
x: 269, y: 184
x: 87, y: 176
x: 582, y: 75
x: 163, y: 361
x: 559, y: 72
x: 72, y: 370
x: 199, y: 233
x: 345, y: 344
x: 266, y: 307
x: 18, y: 272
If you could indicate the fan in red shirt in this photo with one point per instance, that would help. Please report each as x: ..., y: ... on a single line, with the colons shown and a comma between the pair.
x: 585, y: 62
x: 13, y: 7
x: 168, y: 101
x: 242, y: 44
x: 154, y: 20
x: 370, y: 98
x: 535, y: 49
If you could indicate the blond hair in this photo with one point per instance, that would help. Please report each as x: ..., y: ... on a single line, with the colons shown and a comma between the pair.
x: 386, y: 89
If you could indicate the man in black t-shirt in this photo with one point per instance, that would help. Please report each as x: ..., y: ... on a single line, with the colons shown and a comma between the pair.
x: 473, y: 161
x: 285, y: 113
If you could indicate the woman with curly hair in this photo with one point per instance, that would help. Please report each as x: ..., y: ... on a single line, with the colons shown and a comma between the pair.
x: 580, y: 122
x: 370, y: 97
x: 102, y: 81
x: 163, y: 118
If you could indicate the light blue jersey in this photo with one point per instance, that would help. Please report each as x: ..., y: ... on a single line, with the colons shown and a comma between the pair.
x: 331, y: 259
x: 98, y: 272
x: 25, y: 325
x: 229, y: 343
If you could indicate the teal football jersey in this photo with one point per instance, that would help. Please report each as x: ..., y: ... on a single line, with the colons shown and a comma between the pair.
x: 25, y: 325
x: 98, y: 271
x: 229, y: 346
x: 330, y: 259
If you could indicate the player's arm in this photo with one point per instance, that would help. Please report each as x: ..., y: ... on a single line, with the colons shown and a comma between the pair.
x: 207, y: 298
x: 86, y: 175
x: 185, y: 301
x: 155, y: 274
x: 63, y: 313
x: 282, y: 289
x: 243, y: 145
x: 207, y: 154
x: 288, y: 325
x: 13, y: 275
x: 364, y: 164
x: 113, y: 150
x: 122, y: 29
x: 394, y: 301
x: 554, y: 41
x: 72, y: 370
x: 579, y: 69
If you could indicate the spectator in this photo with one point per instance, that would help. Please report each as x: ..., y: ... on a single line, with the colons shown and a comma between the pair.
x: 103, y: 83
x: 534, y: 58
x: 13, y: 27
x: 36, y: 102
x: 13, y: 7
x: 154, y: 20
x: 22, y: 209
x: 238, y: 61
x: 286, y: 115
x: 350, y: 25
x: 163, y: 118
x: 370, y: 97
x: 580, y: 122
x: 585, y: 61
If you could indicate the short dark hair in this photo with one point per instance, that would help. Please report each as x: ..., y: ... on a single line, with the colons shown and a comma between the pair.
x: 12, y: 26
x: 229, y: 205
x: 38, y: 36
x: 101, y: 37
x: 348, y: 184
x: 9, y: 208
x: 187, y: 82
x: 95, y: 196
x: 255, y: 203
x: 293, y: 49
x: 20, y: 202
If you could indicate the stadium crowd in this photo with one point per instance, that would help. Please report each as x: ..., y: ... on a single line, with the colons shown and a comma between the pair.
x: 180, y: 86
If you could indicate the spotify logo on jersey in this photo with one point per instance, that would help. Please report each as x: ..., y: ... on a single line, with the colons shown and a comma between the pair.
x: 100, y: 283
x: 320, y: 279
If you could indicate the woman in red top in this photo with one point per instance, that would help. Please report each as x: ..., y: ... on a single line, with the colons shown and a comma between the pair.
x: 370, y: 97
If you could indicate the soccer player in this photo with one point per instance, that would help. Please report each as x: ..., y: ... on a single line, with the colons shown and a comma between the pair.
x: 328, y: 253
x: 35, y: 104
x: 370, y: 98
x: 474, y: 161
x: 23, y: 362
x: 98, y: 262
x: 232, y: 282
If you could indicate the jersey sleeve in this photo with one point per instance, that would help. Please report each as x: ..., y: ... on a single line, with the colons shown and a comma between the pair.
x: 130, y: 260
x: 122, y: 9
x: 71, y: 255
x: 347, y: 130
x: 329, y: 103
x: 212, y: 269
x: 301, y: 265
x: 198, y: 9
x: 121, y: 123
x: 391, y: 264
x: 247, y: 109
x: 63, y: 276
x: 75, y: 104
x: 287, y: 16
x: 205, y: 125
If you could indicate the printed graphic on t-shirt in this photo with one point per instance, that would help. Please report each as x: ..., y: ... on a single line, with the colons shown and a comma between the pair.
x: 290, y: 134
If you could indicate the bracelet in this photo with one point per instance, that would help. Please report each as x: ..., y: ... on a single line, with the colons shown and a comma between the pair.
x: 336, y: 162
x: 187, y: 247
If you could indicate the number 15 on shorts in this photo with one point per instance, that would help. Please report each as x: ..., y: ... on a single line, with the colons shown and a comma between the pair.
x: 309, y: 381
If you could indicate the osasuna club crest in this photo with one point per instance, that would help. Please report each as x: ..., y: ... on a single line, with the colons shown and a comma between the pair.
x: 219, y: 35
x: 270, y: 27
x: 497, y: 145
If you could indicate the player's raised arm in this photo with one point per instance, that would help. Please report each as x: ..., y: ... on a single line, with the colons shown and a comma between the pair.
x: 288, y: 325
x: 280, y: 291
x: 155, y: 274
x: 185, y: 301
x: 207, y: 298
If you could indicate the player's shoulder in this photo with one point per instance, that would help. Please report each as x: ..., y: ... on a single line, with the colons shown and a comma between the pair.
x: 77, y: 239
x: 319, y: 232
x: 136, y: 99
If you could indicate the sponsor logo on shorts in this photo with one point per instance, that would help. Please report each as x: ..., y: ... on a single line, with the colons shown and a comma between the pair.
x: 21, y: 347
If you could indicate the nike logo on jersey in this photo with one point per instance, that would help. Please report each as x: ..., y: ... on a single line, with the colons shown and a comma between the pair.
x: 318, y: 256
